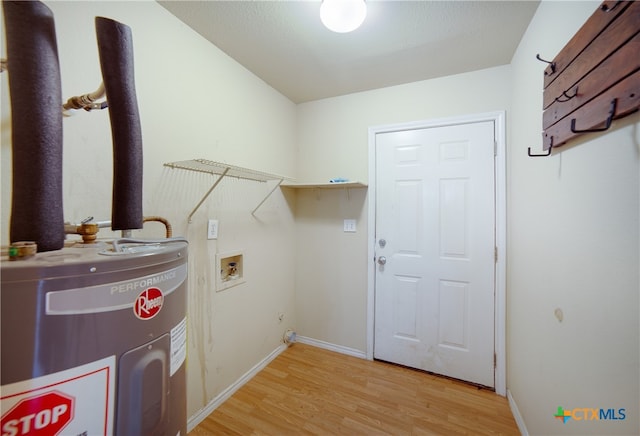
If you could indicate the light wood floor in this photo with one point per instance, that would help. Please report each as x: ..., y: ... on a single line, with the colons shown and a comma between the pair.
x: 308, y: 390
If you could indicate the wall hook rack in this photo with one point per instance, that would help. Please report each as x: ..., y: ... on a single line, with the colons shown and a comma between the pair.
x: 602, y: 60
x: 548, y: 153
x: 607, y: 124
x: 551, y: 64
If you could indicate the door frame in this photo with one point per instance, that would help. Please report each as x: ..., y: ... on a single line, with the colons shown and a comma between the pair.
x: 498, y: 119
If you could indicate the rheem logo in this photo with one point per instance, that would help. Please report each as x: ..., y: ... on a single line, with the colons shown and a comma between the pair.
x: 43, y: 415
x: 148, y: 303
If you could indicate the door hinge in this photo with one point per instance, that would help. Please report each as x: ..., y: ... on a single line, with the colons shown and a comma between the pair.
x: 495, y: 147
x: 495, y: 360
x: 495, y: 254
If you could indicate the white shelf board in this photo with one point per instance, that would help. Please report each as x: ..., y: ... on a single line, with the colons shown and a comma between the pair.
x: 343, y: 185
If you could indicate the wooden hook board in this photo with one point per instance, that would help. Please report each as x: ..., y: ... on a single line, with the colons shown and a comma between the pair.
x: 600, y: 64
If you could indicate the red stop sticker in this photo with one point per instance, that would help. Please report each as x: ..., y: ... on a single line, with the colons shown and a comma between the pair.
x: 148, y: 303
x: 42, y: 415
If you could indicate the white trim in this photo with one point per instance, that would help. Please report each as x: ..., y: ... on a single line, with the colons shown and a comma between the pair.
x: 332, y: 347
x: 371, y: 238
x: 516, y: 415
x: 223, y: 396
x: 498, y: 118
x: 501, y: 264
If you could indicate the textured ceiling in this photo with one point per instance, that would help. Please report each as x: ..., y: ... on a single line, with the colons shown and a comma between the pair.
x: 285, y: 44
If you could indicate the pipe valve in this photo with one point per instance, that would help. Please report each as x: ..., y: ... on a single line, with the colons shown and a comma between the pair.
x: 88, y: 231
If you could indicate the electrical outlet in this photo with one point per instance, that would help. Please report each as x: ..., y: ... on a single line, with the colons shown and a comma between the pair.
x: 350, y: 226
x: 212, y: 229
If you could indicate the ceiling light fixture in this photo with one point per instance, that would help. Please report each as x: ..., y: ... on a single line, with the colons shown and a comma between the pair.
x: 343, y: 16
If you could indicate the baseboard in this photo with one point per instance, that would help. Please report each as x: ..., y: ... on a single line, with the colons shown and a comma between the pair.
x: 516, y: 414
x: 223, y: 396
x: 331, y: 347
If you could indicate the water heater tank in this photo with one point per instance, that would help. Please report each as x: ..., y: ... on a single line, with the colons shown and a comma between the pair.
x: 94, y: 341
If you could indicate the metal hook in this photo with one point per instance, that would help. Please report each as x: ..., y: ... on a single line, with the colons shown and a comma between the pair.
x: 607, y: 124
x: 606, y: 8
x: 548, y: 153
x: 551, y: 64
x: 567, y: 96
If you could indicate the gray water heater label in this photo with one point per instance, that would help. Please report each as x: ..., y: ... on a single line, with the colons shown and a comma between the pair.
x: 178, y: 346
x: 112, y: 296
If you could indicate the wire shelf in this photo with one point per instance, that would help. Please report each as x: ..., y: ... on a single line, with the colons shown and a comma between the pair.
x: 218, y: 168
x: 225, y: 170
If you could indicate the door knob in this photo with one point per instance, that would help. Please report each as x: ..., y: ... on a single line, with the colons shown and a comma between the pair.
x: 382, y: 260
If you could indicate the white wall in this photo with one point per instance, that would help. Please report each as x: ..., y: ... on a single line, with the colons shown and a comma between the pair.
x: 195, y: 102
x: 573, y: 237
x: 573, y: 244
x: 331, y: 266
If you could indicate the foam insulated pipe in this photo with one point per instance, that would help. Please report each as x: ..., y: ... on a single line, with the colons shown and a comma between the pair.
x: 36, y: 125
x: 115, y: 47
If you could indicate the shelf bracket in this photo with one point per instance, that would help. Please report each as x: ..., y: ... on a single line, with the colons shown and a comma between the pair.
x: 218, y: 180
x: 267, y: 196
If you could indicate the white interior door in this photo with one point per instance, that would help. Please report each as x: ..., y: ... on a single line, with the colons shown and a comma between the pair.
x: 435, y: 250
